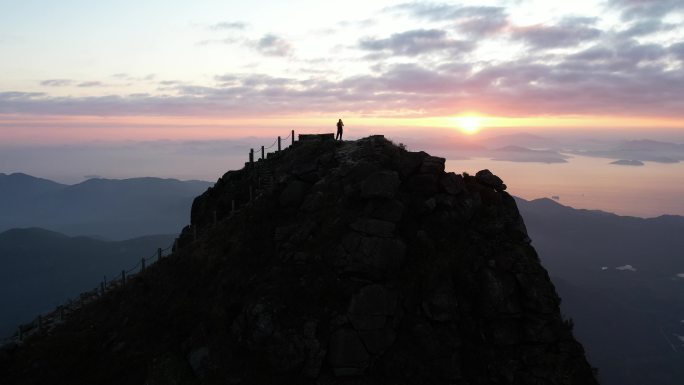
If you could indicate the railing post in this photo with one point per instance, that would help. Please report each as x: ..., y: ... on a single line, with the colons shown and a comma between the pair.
x: 123, y: 277
x: 278, y: 143
x: 159, y: 251
x: 262, y: 153
x: 292, y: 133
x: 251, y: 156
x: 142, y: 265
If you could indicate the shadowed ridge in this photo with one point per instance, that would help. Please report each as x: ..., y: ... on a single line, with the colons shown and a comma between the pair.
x: 356, y: 263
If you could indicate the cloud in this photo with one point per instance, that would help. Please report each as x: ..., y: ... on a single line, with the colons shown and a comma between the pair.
x: 471, y: 20
x: 228, y: 41
x: 56, y: 82
x: 646, y: 27
x: 482, y: 26
x: 90, y: 84
x: 272, y: 45
x: 356, y: 24
x: 228, y: 25
x: 169, y: 82
x: 568, y: 32
x: 613, y: 76
x: 416, y: 42
x: 677, y: 50
x: 646, y: 9
x: 131, y: 78
x: 441, y: 12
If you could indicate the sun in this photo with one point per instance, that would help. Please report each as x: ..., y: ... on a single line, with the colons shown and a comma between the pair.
x: 469, y: 124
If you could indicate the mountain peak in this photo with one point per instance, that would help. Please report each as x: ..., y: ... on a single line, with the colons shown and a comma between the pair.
x: 344, y: 262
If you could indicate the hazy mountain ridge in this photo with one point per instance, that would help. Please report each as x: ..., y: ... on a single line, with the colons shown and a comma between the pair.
x: 41, y: 269
x: 109, y: 208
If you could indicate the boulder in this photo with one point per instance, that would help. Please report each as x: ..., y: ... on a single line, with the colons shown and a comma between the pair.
x: 346, y: 353
x: 381, y: 184
x: 367, y: 322
x: 432, y: 165
x: 377, y: 341
x: 374, y: 227
x: 423, y: 184
x: 293, y: 194
x: 486, y: 178
x: 452, y: 183
x: 198, y: 359
x: 391, y: 211
x: 374, y: 299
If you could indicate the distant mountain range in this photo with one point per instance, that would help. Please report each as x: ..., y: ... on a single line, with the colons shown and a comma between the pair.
x: 41, y: 269
x: 106, y: 208
x: 621, y: 280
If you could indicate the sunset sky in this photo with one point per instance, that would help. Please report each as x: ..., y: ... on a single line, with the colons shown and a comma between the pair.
x: 78, y: 71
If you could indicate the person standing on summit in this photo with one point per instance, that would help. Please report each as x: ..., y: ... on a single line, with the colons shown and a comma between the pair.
x: 339, y: 129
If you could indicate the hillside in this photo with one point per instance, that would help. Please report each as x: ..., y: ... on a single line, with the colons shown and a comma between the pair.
x: 107, y: 208
x: 42, y: 269
x: 345, y: 263
x: 618, y: 277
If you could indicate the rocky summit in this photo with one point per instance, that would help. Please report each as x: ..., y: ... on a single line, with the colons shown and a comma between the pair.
x: 329, y: 262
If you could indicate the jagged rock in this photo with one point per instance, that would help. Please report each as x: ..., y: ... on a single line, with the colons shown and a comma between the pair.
x: 373, y: 300
x: 367, y: 322
x: 198, y: 361
x: 488, y: 179
x: 452, y: 184
x: 424, y: 184
x: 347, y: 355
x: 293, y: 194
x: 429, y: 204
x: 374, y: 227
x: 372, y: 255
x: 441, y: 305
x: 315, y: 352
x: 305, y: 171
x: 432, y: 165
x: 382, y: 184
x: 377, y: 341
x: 386, y: 210
x: 384, y: 267
x: 169, y: 369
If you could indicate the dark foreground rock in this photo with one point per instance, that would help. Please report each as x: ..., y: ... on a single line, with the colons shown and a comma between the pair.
x: 356, y: 263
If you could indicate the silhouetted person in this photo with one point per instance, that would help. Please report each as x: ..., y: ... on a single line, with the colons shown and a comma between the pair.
x: 339, y: 129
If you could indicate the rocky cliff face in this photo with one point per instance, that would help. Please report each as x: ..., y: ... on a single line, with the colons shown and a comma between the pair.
x: 354, y: 263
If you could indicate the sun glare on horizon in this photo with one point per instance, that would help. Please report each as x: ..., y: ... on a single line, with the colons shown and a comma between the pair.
x: 469, y: 125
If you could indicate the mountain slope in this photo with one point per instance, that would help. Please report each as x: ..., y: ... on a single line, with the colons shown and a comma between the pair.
x: 356, y: 263
x: 115, y: 209
x: 618, y: 279
x: 42, y: 269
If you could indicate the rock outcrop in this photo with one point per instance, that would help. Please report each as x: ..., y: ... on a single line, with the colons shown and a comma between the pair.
x: 354, y: 263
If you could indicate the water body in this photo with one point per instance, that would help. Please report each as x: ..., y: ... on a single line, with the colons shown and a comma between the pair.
x: 591, y: 183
